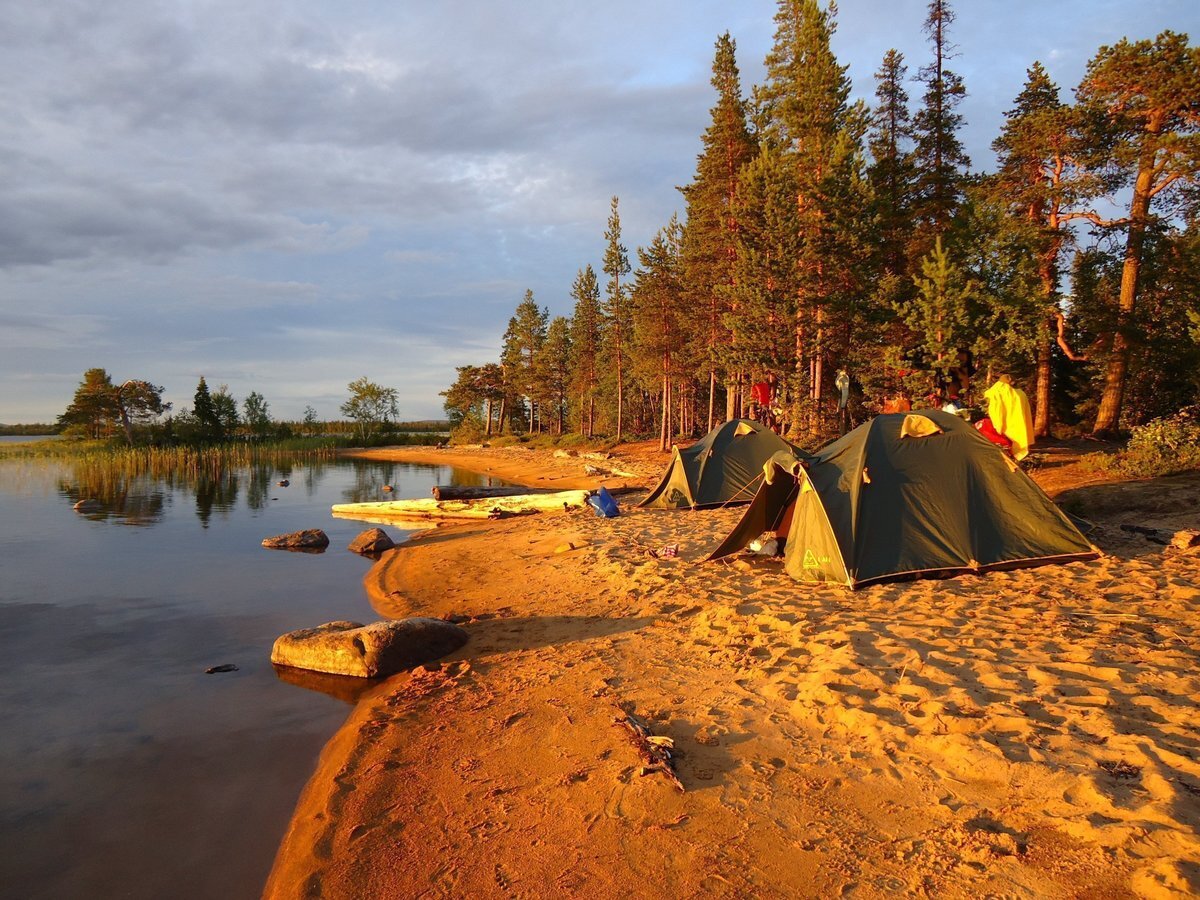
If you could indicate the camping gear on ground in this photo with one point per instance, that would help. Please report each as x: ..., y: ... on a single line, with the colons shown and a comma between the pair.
x: 1008, y: 408
x: 906, y: 495
x: 725, y: 466
x: 604, y: 504
x: 985, y: 427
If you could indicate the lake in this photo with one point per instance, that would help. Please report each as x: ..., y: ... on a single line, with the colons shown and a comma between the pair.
x: 126, y: 769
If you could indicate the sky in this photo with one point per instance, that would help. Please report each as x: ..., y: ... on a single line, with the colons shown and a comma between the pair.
x: 283, y: 197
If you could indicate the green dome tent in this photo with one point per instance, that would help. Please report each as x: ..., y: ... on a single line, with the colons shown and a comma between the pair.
x: 906, y: 496
x: 725, y: 466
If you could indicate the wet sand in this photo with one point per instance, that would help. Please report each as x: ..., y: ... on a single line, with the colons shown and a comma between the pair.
x: 1023, y: 734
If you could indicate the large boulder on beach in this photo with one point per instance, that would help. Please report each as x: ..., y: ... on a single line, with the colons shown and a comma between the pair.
x: 309, y: 539
x: 373, y: 540
x: 368, y: 651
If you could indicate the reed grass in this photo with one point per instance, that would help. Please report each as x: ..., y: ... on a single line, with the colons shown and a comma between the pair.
x: 163, y: 461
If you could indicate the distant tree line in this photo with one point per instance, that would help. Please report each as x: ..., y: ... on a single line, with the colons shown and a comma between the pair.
x: 135, y: 412
x: 825, y: 234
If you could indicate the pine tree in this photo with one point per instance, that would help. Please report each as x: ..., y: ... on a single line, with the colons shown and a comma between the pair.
x: 586, y: 337
x: 940, y: 160
x: 1143, y: 96
x: 709, y: 244
x: 1044, y: 186
x: 617, y: 307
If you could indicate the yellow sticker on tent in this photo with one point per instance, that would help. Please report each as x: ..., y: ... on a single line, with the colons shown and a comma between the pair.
x: 742, y: 429
x: 918, y: 426
x: 811, y: 561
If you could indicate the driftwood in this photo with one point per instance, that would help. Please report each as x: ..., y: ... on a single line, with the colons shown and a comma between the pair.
x: 654, y: 750
x: 457, y: 492
x: 488, y: 508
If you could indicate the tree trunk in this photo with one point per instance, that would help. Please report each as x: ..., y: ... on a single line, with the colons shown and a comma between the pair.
x: 665, y: 425
x: 712, y: 395
x: 1042, y: 391
x: 1108, y: 416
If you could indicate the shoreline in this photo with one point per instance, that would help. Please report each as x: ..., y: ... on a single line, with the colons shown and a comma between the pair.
x: 1026, y: 730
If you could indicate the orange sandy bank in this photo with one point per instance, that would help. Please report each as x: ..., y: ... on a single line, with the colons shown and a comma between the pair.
x: 1028, y: 733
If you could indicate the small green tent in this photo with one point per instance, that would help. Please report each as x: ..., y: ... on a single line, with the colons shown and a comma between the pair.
x: 906, y: 496
x: 725, y: 466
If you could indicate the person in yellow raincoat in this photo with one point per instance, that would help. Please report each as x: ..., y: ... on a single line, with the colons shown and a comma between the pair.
x: 1008, y: 408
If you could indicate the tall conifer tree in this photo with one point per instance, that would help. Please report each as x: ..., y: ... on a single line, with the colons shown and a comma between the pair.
x: 658, y: 318
x: 587, y: 332
x: 1043, y: 186
x: 940, y: 160
x: 709, y: 248
x: 1145, y: 94
x: 806, y: 113
x: 617, y: 307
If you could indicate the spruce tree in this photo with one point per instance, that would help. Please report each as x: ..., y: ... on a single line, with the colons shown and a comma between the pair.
x: 522, y: 342
x: 552, y: 367
x: 709, y: 244
x: 587, y: 331
x: 205, y: 413
x: 617, y: 307
x: 941, y: 163
x: 892, y: 174
x: 659, y: 318
x: 805, y: 111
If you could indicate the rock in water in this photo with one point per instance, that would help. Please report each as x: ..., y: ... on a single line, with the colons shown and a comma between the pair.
x: 88, y: 506
x: 309, y: 539
x: 373, y: 540
x: 368, y: 651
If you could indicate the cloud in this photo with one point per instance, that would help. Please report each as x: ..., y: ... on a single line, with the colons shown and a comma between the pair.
x: 275, y: 193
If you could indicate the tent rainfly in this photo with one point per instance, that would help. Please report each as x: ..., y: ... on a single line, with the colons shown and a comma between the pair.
x: 723, y: 467
x: 906, y: 496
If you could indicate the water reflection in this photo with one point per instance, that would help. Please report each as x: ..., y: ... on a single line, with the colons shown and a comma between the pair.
x: 346, y: 688
x: 122, y: 763
x: 137, y: 495
x: 134, y: 494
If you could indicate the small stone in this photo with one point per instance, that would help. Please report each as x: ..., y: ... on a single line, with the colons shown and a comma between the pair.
x: 89, y: 505
x: 309, y: 539
x: 373, y: 540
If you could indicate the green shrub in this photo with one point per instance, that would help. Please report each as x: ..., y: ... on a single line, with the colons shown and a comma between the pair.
x: 1163, y: 446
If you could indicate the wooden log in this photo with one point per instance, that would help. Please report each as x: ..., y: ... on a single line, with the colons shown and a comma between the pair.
x: 488, y: 508
x: 460, y: 492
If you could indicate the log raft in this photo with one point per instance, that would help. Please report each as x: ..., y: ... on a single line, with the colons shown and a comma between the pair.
x: 487, y: 508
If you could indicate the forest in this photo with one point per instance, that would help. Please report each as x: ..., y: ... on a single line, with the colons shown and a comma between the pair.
x: 823, y: 235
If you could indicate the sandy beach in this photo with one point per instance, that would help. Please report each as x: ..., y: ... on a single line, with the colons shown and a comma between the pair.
x: 1023, y: 734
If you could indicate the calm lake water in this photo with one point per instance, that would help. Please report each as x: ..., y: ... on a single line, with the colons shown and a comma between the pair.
x: 125, y: 770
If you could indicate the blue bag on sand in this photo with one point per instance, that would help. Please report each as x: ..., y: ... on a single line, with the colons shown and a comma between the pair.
x: 604, y: 504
